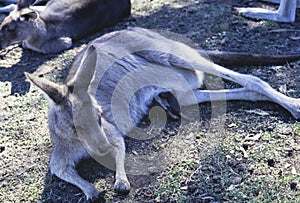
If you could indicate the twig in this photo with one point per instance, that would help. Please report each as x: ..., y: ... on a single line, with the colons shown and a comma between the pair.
x: 7, y: 50
x: 284, y: 30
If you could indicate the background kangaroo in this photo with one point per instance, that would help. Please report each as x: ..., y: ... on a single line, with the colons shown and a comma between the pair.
x: 53, y: 29
x: 81, y: 115
x: 285, y: 13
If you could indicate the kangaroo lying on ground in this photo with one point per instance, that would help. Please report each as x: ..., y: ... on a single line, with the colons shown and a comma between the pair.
x: 62, y: 21
x: 44, y: 30
x: 112, y: 84
x: 285, y: 13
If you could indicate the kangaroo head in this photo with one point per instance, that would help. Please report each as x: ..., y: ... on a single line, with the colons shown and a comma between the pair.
x: 18, y: 26
x: 73, y: 113
x: 60, y: 118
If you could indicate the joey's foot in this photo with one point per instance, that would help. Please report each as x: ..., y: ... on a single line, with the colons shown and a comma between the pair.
x: 122, y: 186
x: 99, y: 198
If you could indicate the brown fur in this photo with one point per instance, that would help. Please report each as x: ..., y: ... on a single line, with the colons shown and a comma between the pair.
x: 88, y: 112
x: 62, y: 21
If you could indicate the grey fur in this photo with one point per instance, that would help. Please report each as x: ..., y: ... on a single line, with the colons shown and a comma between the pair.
x: 60, y: 22
x: 84, y: 117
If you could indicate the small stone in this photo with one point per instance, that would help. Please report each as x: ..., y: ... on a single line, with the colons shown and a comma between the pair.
x: 294, y: 171
x: 286, y: 131
x: 184, y: 188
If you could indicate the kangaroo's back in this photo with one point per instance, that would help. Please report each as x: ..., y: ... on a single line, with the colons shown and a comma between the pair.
x: 79, y: 18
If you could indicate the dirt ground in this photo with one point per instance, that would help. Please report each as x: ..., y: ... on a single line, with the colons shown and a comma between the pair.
x: 250, y: 152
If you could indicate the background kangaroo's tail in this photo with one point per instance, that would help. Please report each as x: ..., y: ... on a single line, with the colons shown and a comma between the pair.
x: 246, y: 59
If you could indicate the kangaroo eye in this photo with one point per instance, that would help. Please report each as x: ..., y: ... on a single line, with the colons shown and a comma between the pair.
x: 10, y: 27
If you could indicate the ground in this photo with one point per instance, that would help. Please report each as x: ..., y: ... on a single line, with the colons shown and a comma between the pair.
x: 249, y: 152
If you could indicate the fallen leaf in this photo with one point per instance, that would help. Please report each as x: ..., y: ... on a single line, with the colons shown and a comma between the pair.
x: 254, y: 138
x: 231, y: 125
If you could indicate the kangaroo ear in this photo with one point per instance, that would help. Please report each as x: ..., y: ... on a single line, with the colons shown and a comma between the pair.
x: 54, y: 91
x: 28, y: 14
x: 86, y: 71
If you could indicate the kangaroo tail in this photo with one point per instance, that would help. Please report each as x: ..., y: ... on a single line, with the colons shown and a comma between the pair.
x: 247, y: 59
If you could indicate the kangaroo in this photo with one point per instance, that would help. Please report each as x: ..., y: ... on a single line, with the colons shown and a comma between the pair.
x: 46, y: 29
x: 96, y: 106
x: 53, y: 29
x: 285, y: 13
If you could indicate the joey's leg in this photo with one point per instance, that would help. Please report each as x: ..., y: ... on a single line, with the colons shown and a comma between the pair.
x: 234, y: 94
x: 285, y: 13
x: 255, y: 84
x: 224, y: 94
x: 64, y: 168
